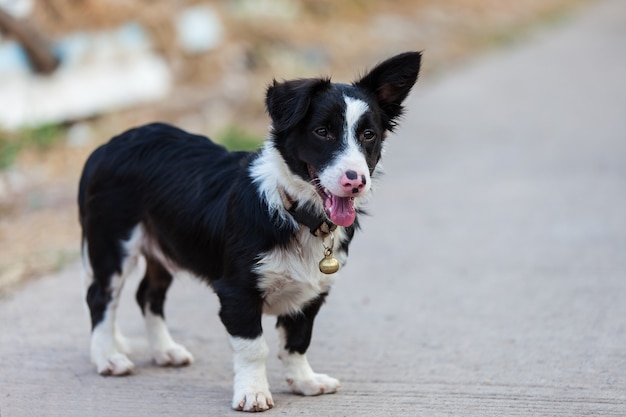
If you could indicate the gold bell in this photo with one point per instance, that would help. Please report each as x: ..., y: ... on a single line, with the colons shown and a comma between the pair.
x: 329, y: 265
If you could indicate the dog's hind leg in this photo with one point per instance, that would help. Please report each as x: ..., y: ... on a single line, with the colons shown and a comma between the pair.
x: 107, y: 262
x: 295, y: 336
x: 151, y: 297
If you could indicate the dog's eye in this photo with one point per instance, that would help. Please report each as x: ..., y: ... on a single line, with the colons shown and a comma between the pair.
x: 322, y: 132
x: 368, y: 135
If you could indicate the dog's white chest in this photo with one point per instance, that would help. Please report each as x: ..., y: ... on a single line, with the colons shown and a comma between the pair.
x: 290, y: 277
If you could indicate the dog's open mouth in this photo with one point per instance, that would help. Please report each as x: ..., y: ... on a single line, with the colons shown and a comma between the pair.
x: 340, y: 210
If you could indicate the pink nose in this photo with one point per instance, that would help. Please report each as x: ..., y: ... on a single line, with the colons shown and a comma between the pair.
x: 353, y: 182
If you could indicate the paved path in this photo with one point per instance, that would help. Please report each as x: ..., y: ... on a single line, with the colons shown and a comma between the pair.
x: 491, y: 280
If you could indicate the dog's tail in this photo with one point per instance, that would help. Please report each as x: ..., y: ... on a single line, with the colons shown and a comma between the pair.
x: 90, y: 166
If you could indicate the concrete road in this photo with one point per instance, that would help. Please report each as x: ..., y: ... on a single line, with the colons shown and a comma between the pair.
x: 490, y: 280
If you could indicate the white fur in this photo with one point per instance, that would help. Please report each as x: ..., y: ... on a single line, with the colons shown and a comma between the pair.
x: 108, y: 349
x: 165, y: 350
x: 351, y: 158
x: 300, y: 375
x: 270, y: 172
x: 87, y: 270
x: 149, y: 246
x: 355, y: 109
x: 251, y: 389
x: 290, y: 277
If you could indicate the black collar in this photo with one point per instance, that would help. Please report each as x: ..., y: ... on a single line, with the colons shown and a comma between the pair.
x: 318, y: 225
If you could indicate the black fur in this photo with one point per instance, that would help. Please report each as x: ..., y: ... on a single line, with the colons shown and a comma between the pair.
x: 299, y: 327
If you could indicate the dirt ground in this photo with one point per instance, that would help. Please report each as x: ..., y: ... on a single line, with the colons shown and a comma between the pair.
x: 39, y: 229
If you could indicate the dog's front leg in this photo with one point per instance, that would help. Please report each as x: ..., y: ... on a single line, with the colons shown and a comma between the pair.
x: 295, y: 336
x: 241, y: 314
x: 251, y: 389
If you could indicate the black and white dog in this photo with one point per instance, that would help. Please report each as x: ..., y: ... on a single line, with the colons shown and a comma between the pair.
x: 254, y: 225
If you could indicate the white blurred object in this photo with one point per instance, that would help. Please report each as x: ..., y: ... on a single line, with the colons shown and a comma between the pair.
x: 79, y: 134
x: 199, y: 29
x: 99, y: 71
x: 13, y: 59
x: 17, y: 8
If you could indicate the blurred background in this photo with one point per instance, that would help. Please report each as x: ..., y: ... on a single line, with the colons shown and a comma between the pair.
x: 73, y: 73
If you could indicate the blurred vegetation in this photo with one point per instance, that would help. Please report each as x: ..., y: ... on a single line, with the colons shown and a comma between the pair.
x: 237, y: 139
x: 45, y: 137
x: 40, y: 138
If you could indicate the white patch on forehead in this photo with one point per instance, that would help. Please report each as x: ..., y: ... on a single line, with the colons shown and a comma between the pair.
x: 355, y: 109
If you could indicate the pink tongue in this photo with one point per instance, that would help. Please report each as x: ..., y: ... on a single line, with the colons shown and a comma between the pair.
x: 341, y: 210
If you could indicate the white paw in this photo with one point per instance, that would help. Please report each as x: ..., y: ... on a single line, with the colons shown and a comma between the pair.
x: 116, y: 364
x: 315, y: 384
x: 174, y: 355
x: 252, y: 401
x: 251, y: 390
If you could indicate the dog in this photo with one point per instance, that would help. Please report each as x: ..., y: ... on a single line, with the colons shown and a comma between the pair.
x: 266, y: 229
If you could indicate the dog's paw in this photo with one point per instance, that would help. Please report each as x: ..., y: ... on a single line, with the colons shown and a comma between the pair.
x: 252, y: 401
x: 116, y: 364
x: 175, y: 355
x: 315, y: 384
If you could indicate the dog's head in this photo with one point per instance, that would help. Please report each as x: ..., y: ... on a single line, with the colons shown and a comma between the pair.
x: 331, y: 135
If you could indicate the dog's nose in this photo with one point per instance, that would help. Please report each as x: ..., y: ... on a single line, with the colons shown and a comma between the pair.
x: 353, y: 182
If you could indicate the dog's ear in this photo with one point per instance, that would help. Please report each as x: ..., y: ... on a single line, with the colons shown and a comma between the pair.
x: 390, y: 83
x: 288, y: 102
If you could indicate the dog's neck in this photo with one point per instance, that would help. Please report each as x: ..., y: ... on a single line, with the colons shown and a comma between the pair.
x: 319, y: 225
x: 289, y: 197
